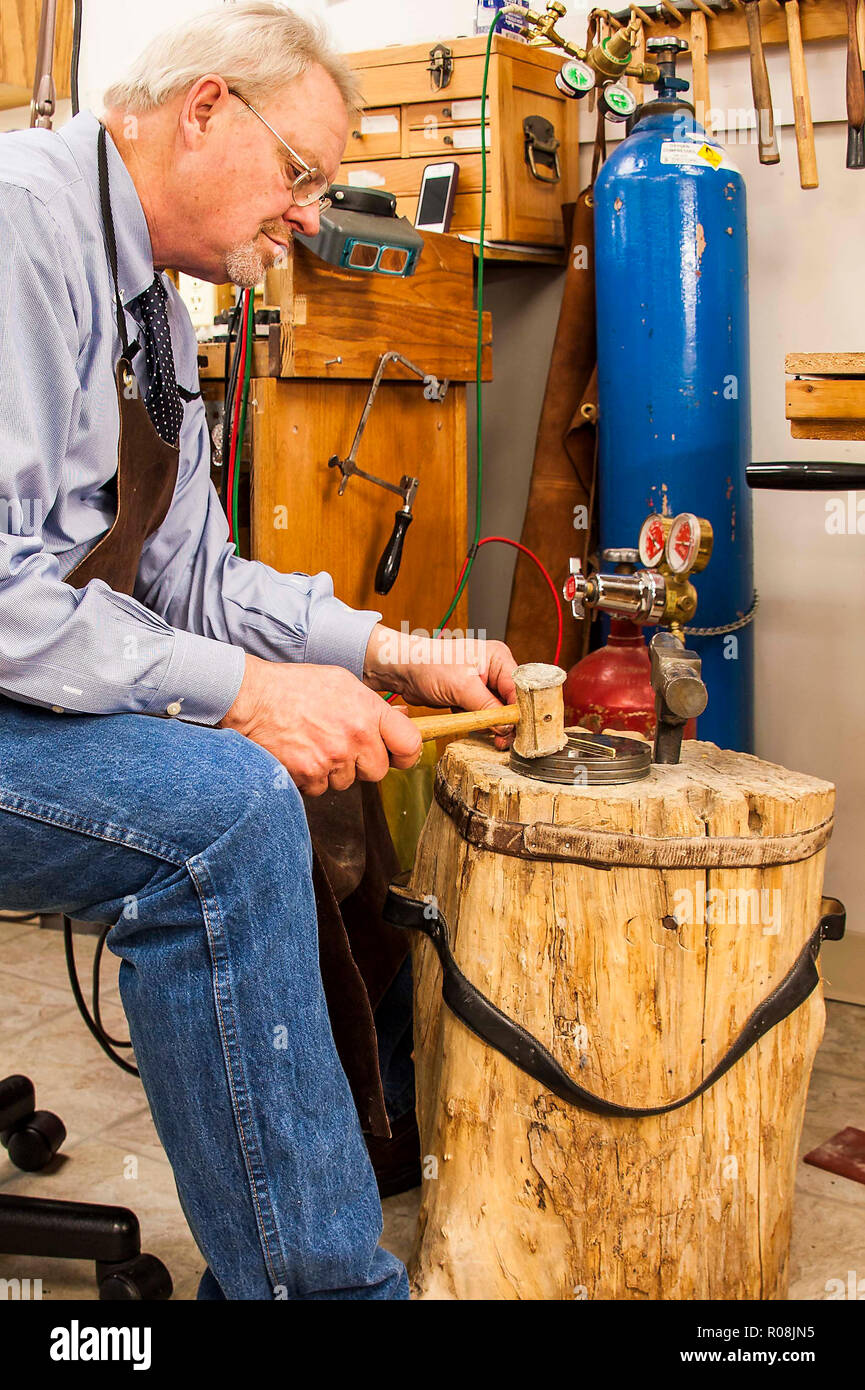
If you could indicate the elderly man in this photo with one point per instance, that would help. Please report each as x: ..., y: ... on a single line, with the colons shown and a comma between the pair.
x: 164, y: 702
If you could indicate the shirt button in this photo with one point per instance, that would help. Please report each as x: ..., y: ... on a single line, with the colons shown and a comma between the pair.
x: 173, y: 708
x: 58, y: 709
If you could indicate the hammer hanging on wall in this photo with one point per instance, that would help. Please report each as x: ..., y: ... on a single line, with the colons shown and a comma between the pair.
x: 855, y: 93
x: 801, y: 97
x: 700, y: 64
x: 767, y: 143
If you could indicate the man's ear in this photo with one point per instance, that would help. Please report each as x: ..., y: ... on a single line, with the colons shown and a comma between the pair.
x: 204, y: 99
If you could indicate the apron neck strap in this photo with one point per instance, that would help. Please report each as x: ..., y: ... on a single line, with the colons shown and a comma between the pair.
x: 108, y: 224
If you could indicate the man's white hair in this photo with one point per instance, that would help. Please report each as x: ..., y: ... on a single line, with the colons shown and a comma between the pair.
x: 257, y: 46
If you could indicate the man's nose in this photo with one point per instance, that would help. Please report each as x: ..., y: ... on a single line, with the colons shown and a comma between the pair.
x: 306, y: 220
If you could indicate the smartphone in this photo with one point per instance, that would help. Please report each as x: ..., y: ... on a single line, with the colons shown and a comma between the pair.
x: 436, y: 202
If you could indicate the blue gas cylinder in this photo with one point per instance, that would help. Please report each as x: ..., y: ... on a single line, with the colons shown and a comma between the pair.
x: 671, y: 267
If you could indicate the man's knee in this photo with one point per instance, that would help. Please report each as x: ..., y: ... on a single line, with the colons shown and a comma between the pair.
x: 244, y: 788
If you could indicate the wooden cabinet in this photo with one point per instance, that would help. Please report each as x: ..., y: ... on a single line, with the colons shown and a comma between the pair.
x: 311, y: 379
x: 408, y: 124
x: 19, y: 33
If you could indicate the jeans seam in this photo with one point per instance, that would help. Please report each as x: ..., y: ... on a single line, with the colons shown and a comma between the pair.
x: 49, y: 814
x: 250, y: 1150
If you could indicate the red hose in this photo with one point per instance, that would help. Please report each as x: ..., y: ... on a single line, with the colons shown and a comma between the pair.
x: 518, y: 545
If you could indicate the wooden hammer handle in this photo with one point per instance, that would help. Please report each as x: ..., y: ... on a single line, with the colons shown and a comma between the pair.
x: 432, y: 726
x: 801, y: 98
x: 768, y: 144
x: 700, y: 67
x: 855, y: 91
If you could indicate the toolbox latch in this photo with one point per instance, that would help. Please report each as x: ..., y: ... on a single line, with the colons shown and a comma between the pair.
x: 542, y: 149
x: 441, y: 66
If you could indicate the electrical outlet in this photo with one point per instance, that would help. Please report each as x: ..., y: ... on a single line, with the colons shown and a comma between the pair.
x: 199, y: 296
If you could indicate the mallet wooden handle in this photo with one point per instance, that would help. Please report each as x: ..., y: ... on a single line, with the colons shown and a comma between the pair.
x: 700, y: 67
x: 801, y: 98
x: 855, y: 93
x: 432, y: 726
x: 767, y: 143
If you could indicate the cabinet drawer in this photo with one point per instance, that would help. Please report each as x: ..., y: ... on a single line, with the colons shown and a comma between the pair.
x: 445, y: 112
x: 403, y: 176
x: 376, y: 133
x: 446, y: 140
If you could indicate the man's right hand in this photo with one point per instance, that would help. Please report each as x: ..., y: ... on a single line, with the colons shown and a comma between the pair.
x: 323, y: 724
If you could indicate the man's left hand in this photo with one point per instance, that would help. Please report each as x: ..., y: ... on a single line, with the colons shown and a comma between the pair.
x: 458, y: 672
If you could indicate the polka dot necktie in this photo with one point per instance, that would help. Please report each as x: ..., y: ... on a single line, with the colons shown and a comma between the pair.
x: 162, y: 401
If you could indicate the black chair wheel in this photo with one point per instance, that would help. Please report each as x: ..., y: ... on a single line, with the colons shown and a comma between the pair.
x: 33, y: 1142
x: 144, y: 1279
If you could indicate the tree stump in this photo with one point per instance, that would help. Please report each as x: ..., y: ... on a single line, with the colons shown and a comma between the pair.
x: 632, y: 929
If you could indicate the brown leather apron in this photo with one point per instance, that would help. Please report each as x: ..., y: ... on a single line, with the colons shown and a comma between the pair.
x: 146, y: 465
x: 353, y: 855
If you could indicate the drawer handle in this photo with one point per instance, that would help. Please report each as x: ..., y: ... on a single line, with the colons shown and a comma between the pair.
x: 446, y: 113
x: 447, y: 140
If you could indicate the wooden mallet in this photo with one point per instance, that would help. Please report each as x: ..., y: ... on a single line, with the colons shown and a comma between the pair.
x: 539, y: 714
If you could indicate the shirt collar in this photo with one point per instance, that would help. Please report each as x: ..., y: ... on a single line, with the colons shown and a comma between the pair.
x: 135, y: 271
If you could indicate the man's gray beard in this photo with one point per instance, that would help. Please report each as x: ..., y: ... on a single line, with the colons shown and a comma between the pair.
x: 245, y: 265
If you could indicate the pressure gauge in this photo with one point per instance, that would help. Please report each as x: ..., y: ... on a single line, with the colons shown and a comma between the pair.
x: 617, y: 102
x: 653, y: 538
x: 575, y: 79
x: 689, y: 543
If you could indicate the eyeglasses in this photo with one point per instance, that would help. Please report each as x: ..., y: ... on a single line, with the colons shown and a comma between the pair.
x: 311, y: 185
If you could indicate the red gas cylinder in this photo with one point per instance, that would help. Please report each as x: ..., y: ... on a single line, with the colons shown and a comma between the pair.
x: 611, y: 688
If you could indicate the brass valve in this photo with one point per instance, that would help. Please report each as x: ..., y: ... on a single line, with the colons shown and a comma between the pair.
x: 610, y: 59
x: 671, y: 548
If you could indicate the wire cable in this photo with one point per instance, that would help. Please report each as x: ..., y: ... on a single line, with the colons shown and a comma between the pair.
x: 479, y: 346
x: 247, y: 374
x: 235, y: 422
x: 231, y: 367
x: 92, y: 1026
x: 518, y: 545
x: 96, y: 989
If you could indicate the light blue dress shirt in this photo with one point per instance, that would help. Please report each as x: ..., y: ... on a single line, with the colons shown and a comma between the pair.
x: 197, y: 607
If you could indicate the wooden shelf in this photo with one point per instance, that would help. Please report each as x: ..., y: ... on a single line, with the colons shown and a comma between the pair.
x: 825, y: 396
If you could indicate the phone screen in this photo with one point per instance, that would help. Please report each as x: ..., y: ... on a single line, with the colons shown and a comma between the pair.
x: 433, y: 201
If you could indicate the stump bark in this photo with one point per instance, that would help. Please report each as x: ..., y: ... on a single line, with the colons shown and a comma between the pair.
x: 636, y: 968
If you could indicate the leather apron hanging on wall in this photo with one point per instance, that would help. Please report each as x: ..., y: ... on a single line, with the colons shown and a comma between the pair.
x: 353, y: 855
x: 564, y: 463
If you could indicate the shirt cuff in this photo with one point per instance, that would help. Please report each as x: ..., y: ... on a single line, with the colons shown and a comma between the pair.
x: 339, y: 635
x: 202, y: 679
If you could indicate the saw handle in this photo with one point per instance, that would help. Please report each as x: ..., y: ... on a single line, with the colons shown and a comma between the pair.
x: 388, y: 565
x: 432, y: 726
x: 766, y: 139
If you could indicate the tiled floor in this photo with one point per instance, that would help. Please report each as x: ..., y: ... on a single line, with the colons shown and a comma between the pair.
x: 112, y: 1153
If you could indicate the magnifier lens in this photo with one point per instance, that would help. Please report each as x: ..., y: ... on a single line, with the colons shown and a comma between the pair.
x: 394, y: 260
x: 363, y: 256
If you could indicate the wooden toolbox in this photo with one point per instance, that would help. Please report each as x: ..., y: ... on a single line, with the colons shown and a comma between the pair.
x: 409, y: 122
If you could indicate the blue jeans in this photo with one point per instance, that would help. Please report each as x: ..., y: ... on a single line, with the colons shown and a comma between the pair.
x: 194, y: 843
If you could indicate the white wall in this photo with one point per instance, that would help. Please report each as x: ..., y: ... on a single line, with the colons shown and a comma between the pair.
x: 807, y: 294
